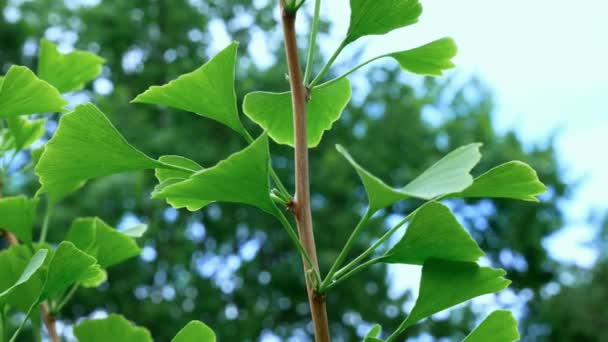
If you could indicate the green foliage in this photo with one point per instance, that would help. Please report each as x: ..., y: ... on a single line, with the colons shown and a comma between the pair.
x: 25, y: 132
x: 15, y: 262
x: 17, y: 215
x: 32, y: 266
x: 499, y: 326
x: 68, y: 266
x: 430, y: 59
x: 195, y: 331
x: 67, y: 72
x: 375, y: 17
x: 168, y: 177
x: 112, y: 328
x: 274, y: 113
x: 23, y: 93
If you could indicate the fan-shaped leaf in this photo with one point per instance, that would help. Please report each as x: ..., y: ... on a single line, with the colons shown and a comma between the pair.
x: 113, y: 328
x: 17, y: 215
x: 372, y: 17
x: 430, y: 59
x: 168, y: 177
x: 499, y: 326
x: 15, y: 261
x: 22, y: 93
x: 25, y: 132
x: 434, y: 232
x: 32, y: 267
x: 85, y: 146
x: 207, y: 91
x: 195, y: 331
x: 67, y: 72
x: 68, y: 266
x: 274, y: 113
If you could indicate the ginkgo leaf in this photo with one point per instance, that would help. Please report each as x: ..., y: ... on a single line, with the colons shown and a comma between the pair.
x: 136, y: 231
x: 31, y: 268
x: 168, y: 177
x: 430, y: 59
x: 17, y: 215
x: 22, y: 93
x: 274, y: 113
x: 515, y: 180
x: 444, y: 177
x: 499, y: 326
x: 195, y: 331
x: 373, y: 334
x: 448, y: 283
x: 113, y: 328
x: 93, y: 277
x: 85, y: 146
x: 374, y: 17
x: 25, y: 132
x: 68, y: 265
x: 208, y: 91
x: 434, y: 232
x: 241, y: 178
x: 95, y: 237
x: 67, y: 72
x: 15, y: 261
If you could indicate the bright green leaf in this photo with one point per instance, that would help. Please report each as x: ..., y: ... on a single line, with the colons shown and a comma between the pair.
x: 208, y: 91
x: 514, y: 180
x: 274, y: 113
x: 22, y: 93
x: 17, y: 215
x: 241, y: 178
x: 85, y: 146
x: 373, y: 334
x: 195, y: 331
x: 14, y: 261
x: 67, y: 72
x: 93, y: 277
x: 374, y: 17
x: 444, y: 177
x: 447, y: 283
x: 430, y: 59
x: 25, y: 132
x: 136, y: 231
x: 434, y: 232
x: 168, y: 177
x: 113, y: 328
x: 68, y: 266
x: 32, y: 267
x: 499, y: 326
x: 97, y: 238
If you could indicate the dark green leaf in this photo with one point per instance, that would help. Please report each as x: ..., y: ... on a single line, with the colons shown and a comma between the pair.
x: 207, y: 91
x: 113, y: 328
x: 195, y: 331
x: 17, y: 215
x: 274, y: 113
x: 85, y: 146
x: 67, y: 72
x: 434, y: 232
x: 430, y: 59
x: 499, y: 326
x: 373, y: 17
x: 25, y: 132
x: 22, y: 93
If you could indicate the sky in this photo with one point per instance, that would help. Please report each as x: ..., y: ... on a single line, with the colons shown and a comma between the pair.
x: 546, y: 62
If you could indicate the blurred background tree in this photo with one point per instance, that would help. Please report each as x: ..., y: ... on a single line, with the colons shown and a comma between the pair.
x: 233, y: 267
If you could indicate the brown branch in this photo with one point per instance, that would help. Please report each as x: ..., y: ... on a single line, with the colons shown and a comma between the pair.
x: 301, y: 204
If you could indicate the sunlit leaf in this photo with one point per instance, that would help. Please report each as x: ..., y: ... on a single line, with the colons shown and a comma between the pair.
x: 85, y: 146
x: 241, y: 178
x: 448, y: 283
x: 274, y: 113
x: 430, y: 59
x: 168, y: 177
x: 434, y: 232
x: 32, y: 266
x: 68, y: 266
x: 515, y: 180
x: 113, y: 328
x: 97, y: 238
x: 25, y: 132
x: 195, y: 331
x: 444, y: 177
x: 136, y: 231
x: 93, y: 277
x: 22, y: 93
x: 17, y: 215
x: 208, y: 91
x: 67, y: 72
x: 374, y: 17
x: 499, y: 326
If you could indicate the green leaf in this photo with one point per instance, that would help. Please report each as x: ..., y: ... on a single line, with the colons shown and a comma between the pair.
x: 17, y: 215
x: 373, y: 334
x: 241, y: 178
x: 97, y: 238
x: 22, y: 93
x: 430, y: 59
x: 68, y: 266
x: 168, y: 177
x: 113, y: 328
x: 444, y: 177
x: 14, y: 261
x: 25, y: 132
x: 274, y: 113
x: 499, y: 326
x: 448, y: 283
x: 208, y: 91
x: 93, y: 277
x: 31, y: 268
x: 195, y: 331
x: 67, y: 72
x: 515, y: 180
x: 374, y: 17
x: 85, y: 146
x: 434, y: 232
x: 136, y: 231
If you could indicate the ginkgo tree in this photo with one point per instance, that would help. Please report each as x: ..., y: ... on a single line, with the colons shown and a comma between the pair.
x: 86, y: 146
